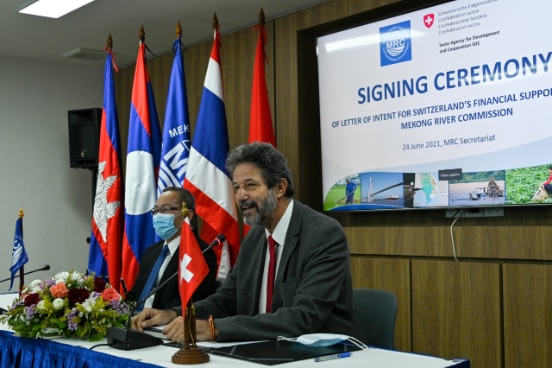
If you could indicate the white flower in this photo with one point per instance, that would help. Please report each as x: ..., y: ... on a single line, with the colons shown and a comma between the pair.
x: 77, y: 278
x: 88, y: 304
x: 41, y: 305
x: 57, y: 304
x: 61, y: 277
x: 34, y: 287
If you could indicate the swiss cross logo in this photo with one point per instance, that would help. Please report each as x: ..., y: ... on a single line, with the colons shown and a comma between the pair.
x: 428, y: 20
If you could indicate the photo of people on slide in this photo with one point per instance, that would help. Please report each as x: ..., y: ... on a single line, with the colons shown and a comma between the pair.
x: 385, y: 190
x: 528, y: 185
x: 478, y: 188
x: 345, y: 191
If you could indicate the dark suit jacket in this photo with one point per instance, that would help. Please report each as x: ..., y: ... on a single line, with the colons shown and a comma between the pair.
x: 312, y: 292
x: 168, y: 296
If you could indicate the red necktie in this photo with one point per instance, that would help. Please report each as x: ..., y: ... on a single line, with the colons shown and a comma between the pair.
x: 271, y: 272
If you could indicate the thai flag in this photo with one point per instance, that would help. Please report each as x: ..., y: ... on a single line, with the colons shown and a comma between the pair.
x: 206, y: 177
x: 19, y: 254
x: 176, y: 129
x: 143, y: 154
x: 108, y: 217
x: 260, y: 119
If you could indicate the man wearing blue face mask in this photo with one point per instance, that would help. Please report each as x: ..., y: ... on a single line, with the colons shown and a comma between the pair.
x: 161, y: 259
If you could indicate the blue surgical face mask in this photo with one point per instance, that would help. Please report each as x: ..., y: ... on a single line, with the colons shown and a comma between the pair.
x: 163, y: 223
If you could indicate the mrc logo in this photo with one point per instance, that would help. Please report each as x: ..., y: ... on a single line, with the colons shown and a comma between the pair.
x: 395, y: 43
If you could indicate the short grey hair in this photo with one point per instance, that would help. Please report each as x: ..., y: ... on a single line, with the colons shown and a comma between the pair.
x: 269, y: 160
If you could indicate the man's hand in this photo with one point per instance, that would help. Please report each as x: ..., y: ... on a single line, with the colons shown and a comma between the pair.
x: 174, y: 331
x: 152, y: 317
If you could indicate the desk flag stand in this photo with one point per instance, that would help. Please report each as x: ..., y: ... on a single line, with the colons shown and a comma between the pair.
x: 22, y: 269
x: 190, y: 353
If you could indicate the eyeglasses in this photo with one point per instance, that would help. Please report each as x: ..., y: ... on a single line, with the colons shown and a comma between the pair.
x: 164, y: 209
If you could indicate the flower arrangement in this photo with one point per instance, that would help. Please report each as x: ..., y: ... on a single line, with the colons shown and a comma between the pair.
x: 69, y: 304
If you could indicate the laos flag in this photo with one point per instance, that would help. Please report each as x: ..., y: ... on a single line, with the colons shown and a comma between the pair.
x: 142, y: 166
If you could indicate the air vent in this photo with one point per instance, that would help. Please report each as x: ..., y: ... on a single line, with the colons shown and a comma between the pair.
x: 86, y: 54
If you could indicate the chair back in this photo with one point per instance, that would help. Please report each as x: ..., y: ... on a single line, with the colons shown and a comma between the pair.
x: 377, y: 311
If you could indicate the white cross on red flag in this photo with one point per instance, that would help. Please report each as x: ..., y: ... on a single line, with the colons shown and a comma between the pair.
x: 193, y: 268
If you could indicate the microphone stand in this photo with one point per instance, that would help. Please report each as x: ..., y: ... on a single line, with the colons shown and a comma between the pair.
x: 43, y: 268
x: 128, y: 339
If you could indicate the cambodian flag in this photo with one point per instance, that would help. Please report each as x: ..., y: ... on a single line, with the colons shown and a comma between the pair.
x: 176, y: 129
x: 143, y: 154
x: 108, y: 217
x: 206, y: 177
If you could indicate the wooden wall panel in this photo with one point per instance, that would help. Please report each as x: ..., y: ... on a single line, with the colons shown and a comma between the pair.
x: 519, y: 235
x: 393, y: 275
x: 196, y: 59
x: 456, y: 311
x: 238, y: 54
x: 527, y: 315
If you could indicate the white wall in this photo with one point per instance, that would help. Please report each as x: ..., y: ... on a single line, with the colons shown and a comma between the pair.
x: 34, y: 164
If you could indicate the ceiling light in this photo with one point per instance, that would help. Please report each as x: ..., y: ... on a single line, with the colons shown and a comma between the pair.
x: 52, y: 8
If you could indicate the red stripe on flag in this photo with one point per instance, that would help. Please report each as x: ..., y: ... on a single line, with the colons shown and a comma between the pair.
x: 130, y: 264
x: 216, y: 221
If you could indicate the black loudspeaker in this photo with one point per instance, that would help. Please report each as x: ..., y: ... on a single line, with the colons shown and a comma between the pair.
x: 84, y: 137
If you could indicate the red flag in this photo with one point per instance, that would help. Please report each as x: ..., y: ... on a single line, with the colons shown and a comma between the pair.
x: 193, y: 268
x: 260, y: 119
x: 108, y: 217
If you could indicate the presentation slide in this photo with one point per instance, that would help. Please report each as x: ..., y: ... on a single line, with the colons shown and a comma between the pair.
x: 447, y: 106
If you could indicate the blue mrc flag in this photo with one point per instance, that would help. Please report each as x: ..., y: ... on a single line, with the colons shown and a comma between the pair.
x: 19, y: 255
x: 395, y: 43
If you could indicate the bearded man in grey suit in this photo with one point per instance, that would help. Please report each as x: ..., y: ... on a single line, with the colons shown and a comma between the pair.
x: 312, y: 290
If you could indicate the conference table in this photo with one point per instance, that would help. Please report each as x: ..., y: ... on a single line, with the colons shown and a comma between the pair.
x: 62, y: 352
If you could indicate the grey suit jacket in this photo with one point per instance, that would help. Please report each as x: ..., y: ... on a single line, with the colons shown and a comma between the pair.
x: 312, y: 292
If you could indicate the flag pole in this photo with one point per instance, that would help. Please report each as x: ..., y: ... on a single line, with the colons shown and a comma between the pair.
x: 262, y: 17
x: 109, y: 43
x: 215, y: 22
x: 189, y: 353
x: 22, y: 269
x: 178, y: 30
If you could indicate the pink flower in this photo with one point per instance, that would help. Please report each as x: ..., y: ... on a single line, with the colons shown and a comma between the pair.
x: 59, y: 290
x: 111, y: 295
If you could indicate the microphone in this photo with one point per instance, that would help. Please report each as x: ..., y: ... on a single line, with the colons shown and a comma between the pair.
x: 46, y: 267
x: 127, y: 339
x: 218, y: 240
x: 123, y: 284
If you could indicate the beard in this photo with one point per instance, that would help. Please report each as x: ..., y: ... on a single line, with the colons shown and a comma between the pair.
x: 265, y: 210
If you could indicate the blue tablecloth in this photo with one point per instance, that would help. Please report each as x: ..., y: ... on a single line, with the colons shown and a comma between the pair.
x: 19, y: 352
